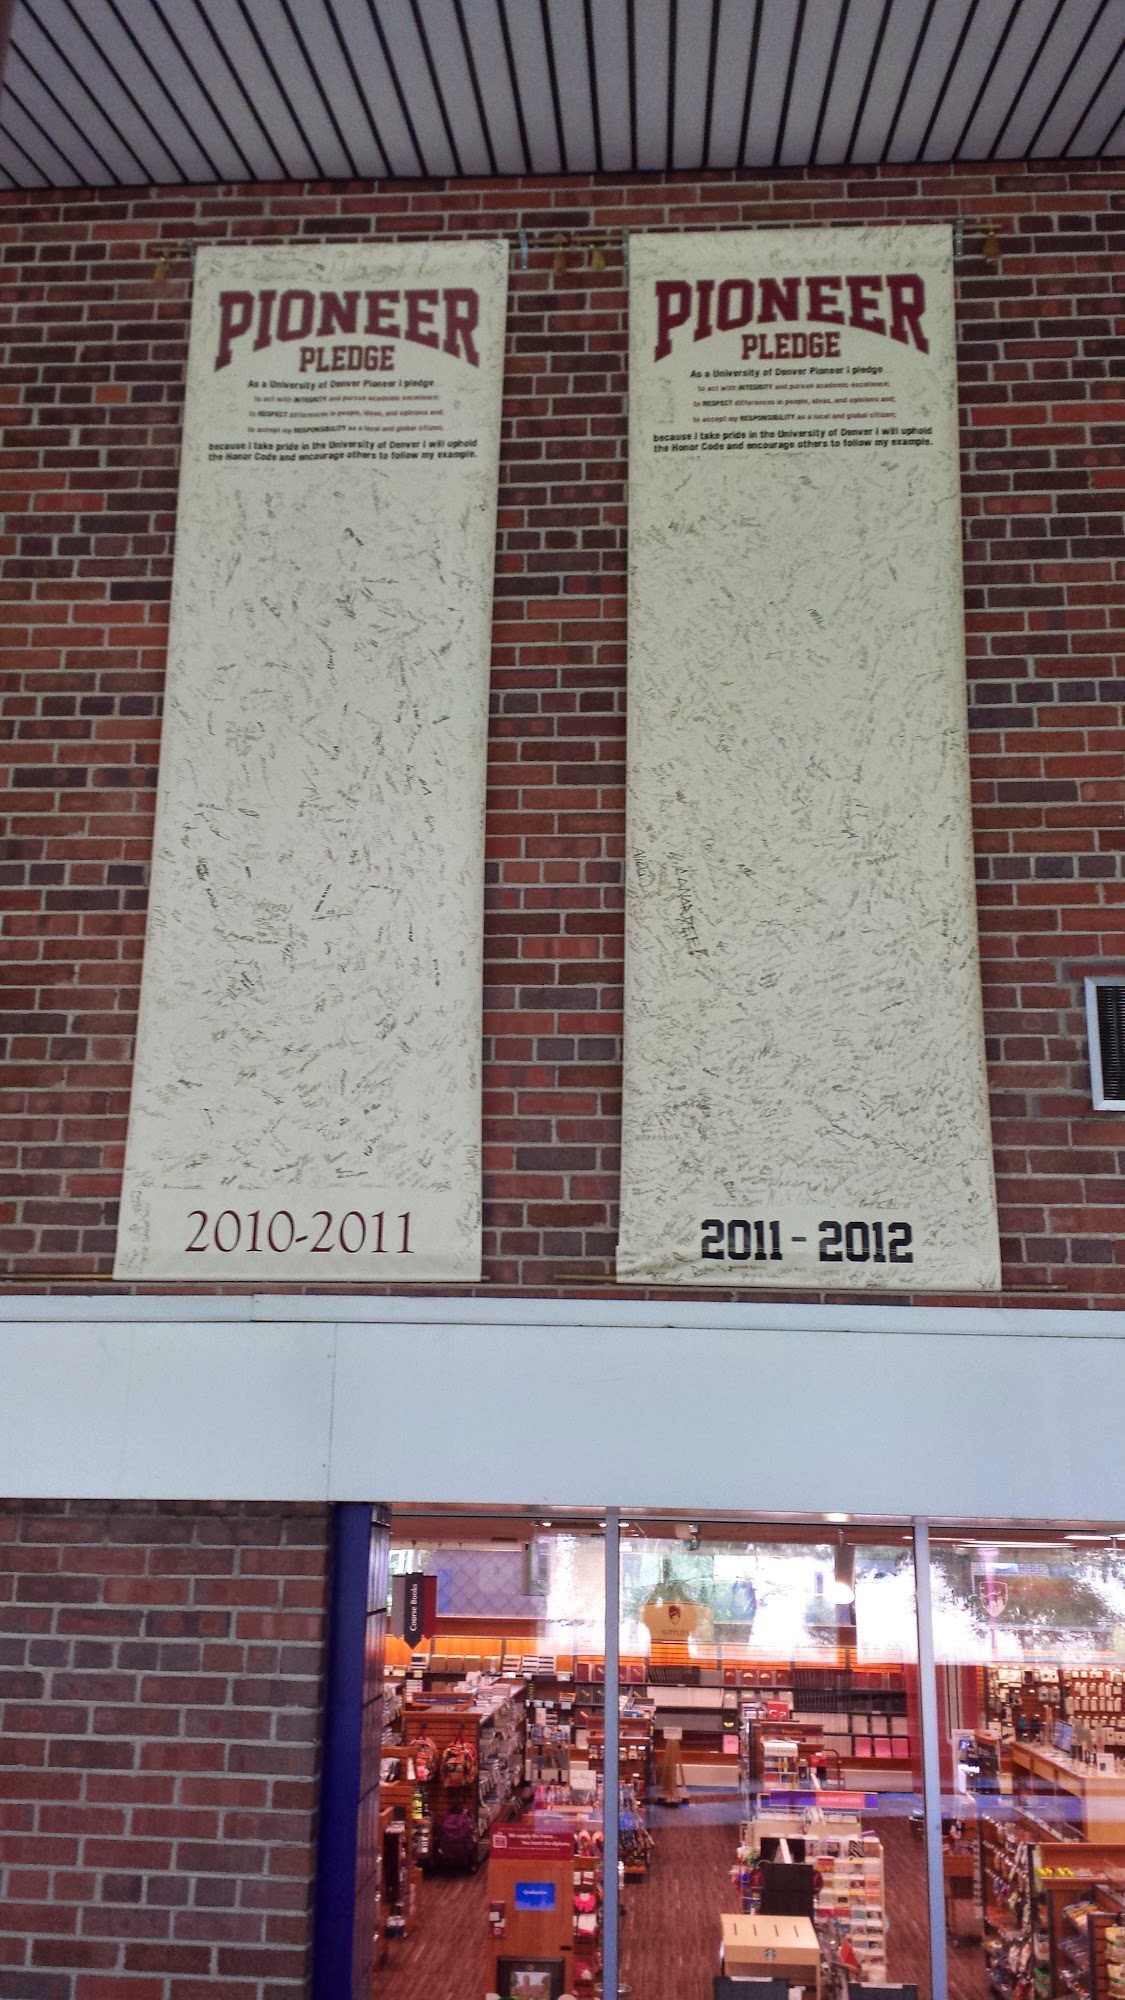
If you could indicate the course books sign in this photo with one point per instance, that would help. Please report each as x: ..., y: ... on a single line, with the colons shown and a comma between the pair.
x: 804, y: 1067
x: 306, y: 1097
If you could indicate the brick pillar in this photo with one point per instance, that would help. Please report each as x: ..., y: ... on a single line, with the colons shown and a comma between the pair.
x: 161, y: 1671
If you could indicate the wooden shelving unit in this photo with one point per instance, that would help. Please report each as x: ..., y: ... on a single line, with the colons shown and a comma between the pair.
x: 492, y: 1720
x: 401, y: 1886
x: 1080, y: 1890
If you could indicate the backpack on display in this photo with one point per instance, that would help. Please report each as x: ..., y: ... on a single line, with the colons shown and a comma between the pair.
x: 425, y: 1754
x: 456, y: 1840
x: 459, y: 1763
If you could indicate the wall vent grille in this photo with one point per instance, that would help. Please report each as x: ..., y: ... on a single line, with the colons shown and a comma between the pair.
x: 1105, y: 1019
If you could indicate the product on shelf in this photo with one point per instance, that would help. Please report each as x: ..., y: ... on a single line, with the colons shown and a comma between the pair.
x: 850, y: 1910
x: 467, y: 1747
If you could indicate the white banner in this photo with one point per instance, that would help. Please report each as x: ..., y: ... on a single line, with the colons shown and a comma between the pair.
x: 805, y: 1099
x: 306, y: 1096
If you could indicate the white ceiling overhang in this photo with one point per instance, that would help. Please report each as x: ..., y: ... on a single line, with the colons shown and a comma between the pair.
x: 102, y: 93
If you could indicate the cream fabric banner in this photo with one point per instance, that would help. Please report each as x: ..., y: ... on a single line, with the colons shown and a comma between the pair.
x: 805, y: 1095
x: 306, y: 1098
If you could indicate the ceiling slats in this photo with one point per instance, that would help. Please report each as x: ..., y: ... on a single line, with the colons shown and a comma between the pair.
x: 126, y: 92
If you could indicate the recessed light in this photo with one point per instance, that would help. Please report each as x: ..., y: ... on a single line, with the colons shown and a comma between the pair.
x: 837, y: 1517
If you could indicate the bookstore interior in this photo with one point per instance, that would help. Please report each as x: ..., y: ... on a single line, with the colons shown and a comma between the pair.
x: 769, y: 1783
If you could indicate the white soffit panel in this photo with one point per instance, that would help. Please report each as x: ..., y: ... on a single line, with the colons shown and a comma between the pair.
x: 959, y: 1414
x: 182, y: 90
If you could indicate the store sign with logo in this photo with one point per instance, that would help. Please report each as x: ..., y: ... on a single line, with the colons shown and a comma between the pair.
x: 805, y: 1100
x: 992, y: 1593
x: 306, y: 1096
x: 670, y: 1624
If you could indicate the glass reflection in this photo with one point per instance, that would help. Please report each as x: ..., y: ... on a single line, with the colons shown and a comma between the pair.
x: 1030, y: 1643
x: 776, y: 1678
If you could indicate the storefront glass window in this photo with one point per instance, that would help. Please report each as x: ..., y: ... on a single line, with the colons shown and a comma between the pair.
x: 770, y: 1759
x: 1030, y: 1646
x: 492, y: 1759
x: 768, y: 1792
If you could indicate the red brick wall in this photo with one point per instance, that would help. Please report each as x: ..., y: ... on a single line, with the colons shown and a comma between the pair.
x: 160, y: 1681
x: 93, y: 402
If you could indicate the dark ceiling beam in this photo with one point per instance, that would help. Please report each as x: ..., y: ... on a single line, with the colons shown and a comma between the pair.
x: 712, y: 61
x: 553, y: 78
x: 514, y: 84
x: 7, y: 9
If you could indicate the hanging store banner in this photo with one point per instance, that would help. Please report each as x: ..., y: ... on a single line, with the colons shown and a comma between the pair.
x: 306, y: 1096
x: 413, y: 1606
x: 805, y: 1096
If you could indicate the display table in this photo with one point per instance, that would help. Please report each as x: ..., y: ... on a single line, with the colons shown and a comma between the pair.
x: 772, y: 1948
x: 1098, y: 1812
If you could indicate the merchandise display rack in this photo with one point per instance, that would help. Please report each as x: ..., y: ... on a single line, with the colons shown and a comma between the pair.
x: 851, y: 1899
x: 492, y: 1720
x: 1015, y: 1935
x: 1025, y: 1702
x: 851, y: 1724
x: 1080, y: 1894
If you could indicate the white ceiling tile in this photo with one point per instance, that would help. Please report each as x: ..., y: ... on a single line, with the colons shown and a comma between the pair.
x: 246, y: 59
x: 73, y: 143
x: 193, y: 99
x: 568, y: 35
x: 1088, y: 76
x: 857, y: 49
x: 525, y: 27
x: 817, y: 40
x: 486, y: 38
x: 409, y: 59
x: 447, y: 52
x: 171, y: 102
x: 903, y: 44
x: 327, y: 46
x: 79, y: 86
x: 162, y: 90
x: 1104, y: 115
x: 779, y: 19
x: 929, y: 81
x: 1068, y: 32
x: 358, y: 30
x: 736, y: 29
x: 22, y: 150
x: 652, y: 19
x: 294, y: 82
x: 611, y: 55
x: 693, y: 43
x: 956, y: 53
x: 180, y: 26
x: 1029, y: 23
